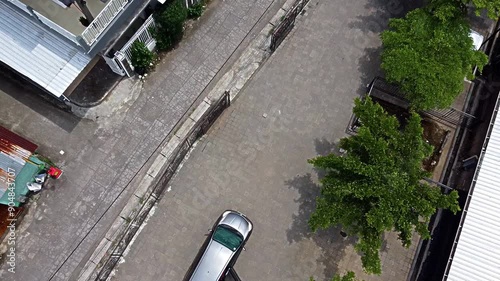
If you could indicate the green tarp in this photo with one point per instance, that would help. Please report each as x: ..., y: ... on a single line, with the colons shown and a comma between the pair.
x: 26, y: 175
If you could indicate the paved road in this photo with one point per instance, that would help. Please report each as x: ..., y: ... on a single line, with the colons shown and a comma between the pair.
x: 102, y: 157
x: 254, y: 158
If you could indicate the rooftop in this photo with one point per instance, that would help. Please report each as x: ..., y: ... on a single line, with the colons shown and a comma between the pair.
x: 43, y: 57
x: 476, y: 251
x: 68, y: 18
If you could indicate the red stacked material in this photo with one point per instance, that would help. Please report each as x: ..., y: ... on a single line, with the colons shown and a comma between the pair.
x: 54, y: 172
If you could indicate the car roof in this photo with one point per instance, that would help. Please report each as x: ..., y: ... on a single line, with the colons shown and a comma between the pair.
x: 213, y: 262
x: 238, y: 222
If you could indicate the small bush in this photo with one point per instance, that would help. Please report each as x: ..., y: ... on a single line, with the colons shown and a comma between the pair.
x: 196, y: 10
x: 170, y: 24
x: 141, y: 57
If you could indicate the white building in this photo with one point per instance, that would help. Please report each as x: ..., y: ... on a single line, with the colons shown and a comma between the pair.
x: 45, y: 41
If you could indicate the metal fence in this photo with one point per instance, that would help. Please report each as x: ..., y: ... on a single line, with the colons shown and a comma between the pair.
x: 450, y: 116
x: 144, y: 35
x: 190, y: 3
x: 381, y: 89
x: 178, y: 156
x: 286, y: 25
x: 102, y: 20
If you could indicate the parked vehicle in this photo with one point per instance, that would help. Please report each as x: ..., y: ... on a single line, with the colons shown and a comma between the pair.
x: 224, y: 244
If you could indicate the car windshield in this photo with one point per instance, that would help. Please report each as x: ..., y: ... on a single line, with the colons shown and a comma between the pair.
x: 228, y: 237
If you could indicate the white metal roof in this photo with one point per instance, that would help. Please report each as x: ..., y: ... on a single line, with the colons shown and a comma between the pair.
x: 477, y: 252
x: 46, y: 59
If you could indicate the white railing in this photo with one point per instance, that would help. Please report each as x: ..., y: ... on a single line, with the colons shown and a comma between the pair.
x: 101, y: 21
x: 143, y: 35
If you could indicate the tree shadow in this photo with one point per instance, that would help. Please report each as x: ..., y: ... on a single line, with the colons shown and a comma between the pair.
x: 371, y: 24
x: 308, y: 191
x: 325, y: 147
x: 381, y: 12
x: 330, y: 241
x: 369, y: 67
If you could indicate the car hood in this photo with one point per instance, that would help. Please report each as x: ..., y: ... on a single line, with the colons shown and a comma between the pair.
x: 213, y: 262
x: 238, y: 222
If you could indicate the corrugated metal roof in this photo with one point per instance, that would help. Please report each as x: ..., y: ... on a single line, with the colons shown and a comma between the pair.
x: 14, y: 152
x: 46, y: 59
x: 14, y: 138
x: 476, y: 255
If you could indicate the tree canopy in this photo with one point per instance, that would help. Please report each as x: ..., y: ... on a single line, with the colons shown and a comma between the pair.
x: 377, y: 185
x: 428, y: 53
x: 169, y: 24
x: 492, y: 7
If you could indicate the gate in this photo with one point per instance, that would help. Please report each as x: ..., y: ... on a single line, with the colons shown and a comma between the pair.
x: 286, y: 25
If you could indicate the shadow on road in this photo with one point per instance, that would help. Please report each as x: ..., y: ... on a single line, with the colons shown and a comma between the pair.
x: 325, y: 147
x: 371, y: 26
x: 30, y: 96
x: 308, y: 191
x: 330, y: 241
x: 369, y: 66
x: 382, y: 11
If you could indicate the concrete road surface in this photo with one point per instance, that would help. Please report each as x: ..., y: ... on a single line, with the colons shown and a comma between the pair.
x: 254, y: 158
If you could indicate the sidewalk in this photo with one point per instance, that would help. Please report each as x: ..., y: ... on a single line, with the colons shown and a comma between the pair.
x: 102, y: 157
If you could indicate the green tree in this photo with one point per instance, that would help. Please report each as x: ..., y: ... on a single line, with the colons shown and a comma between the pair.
x: 349, y: 276
x: 428, y: 54
x: 141, y: 57
x: 377, y: 185
x: 170, y: 24
x: 196, y: 10
x: 492, y: 7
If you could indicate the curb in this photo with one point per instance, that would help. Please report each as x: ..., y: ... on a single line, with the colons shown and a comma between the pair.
x: 123, y: 95
x: 127, y: 225
x: 100, y: 100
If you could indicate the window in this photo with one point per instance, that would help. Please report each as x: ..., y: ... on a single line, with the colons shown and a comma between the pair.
x: 228, y: 237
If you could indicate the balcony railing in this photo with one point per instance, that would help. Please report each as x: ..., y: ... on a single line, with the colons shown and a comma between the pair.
x: 143, y: 35
x: 102, y: 20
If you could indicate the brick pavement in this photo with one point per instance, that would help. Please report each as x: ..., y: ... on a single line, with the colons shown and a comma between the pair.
x: 101, y: 158
x: 254, y: 158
